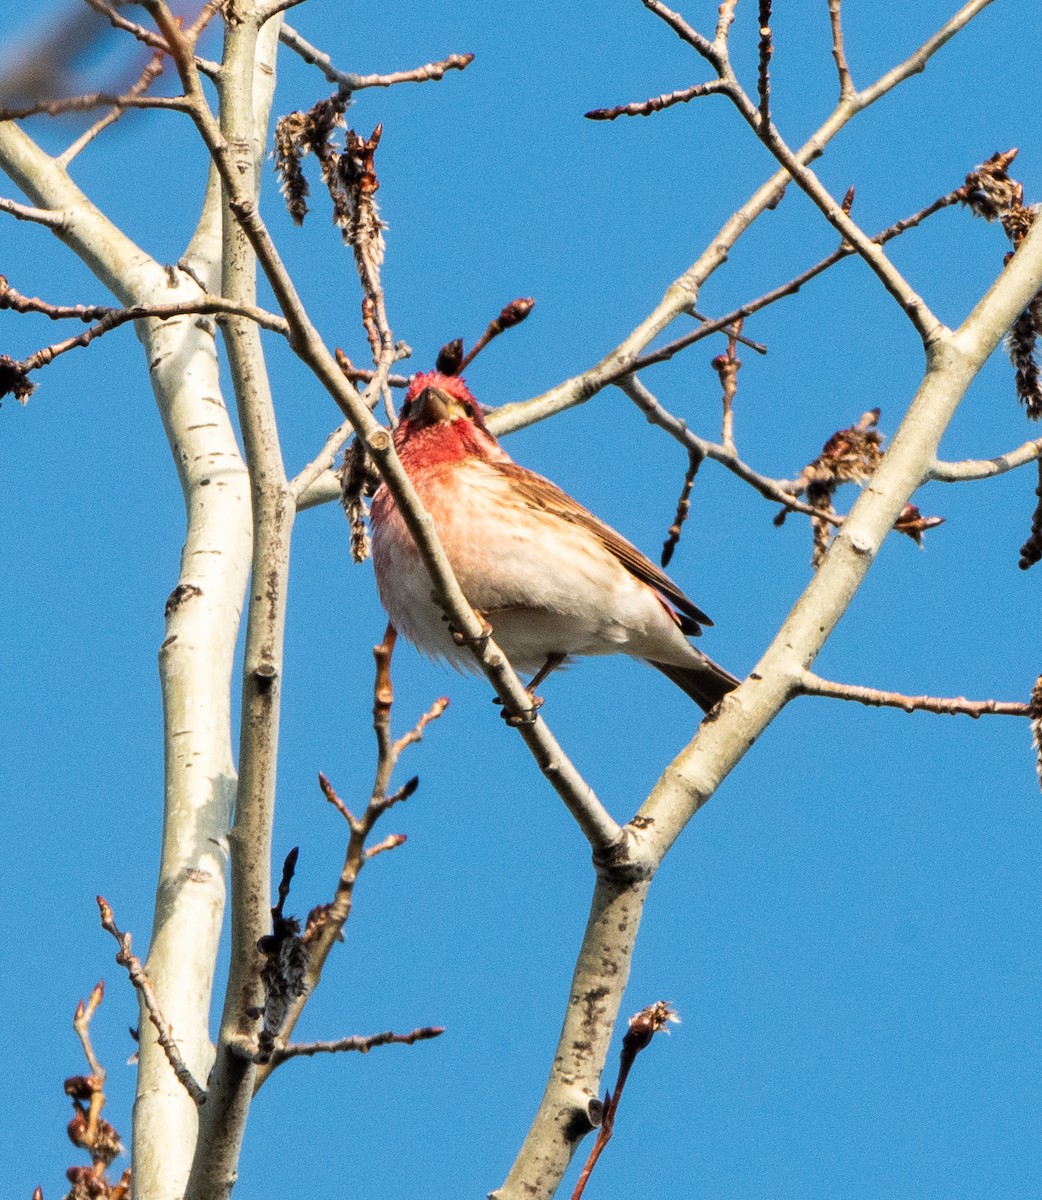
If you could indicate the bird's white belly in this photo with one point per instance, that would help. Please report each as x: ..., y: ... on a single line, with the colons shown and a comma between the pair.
x: 543, y: 587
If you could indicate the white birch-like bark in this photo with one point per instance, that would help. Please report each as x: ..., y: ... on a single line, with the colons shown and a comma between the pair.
x: 195, y: 658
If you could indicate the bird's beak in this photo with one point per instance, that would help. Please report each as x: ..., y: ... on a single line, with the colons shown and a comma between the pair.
x: 433, y: 406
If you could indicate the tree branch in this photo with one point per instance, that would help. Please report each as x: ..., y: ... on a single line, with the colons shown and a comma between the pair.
x: 195, y: 659
x: 970, y: 469
x: 720, y: 743
x: 143, y: 986
x: 360, y: 1044
x: 683, y: 292
x: 812, y: 685
x: 349, y: 82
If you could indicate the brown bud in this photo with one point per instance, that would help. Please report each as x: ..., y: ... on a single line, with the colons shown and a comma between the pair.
x: 450, y: 357
x: 77, y: 1130
x: 81, y: 1087
x: 516, y: 311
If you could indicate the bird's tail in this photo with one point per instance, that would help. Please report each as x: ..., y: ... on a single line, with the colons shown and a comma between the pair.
x: 707, y: 683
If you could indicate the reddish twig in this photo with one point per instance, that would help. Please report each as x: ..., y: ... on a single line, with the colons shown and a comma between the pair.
x: 88, y: 1129
x: 512, y: 314
x: 143, y: 985
x: 643, y: 1027
x: 812, y: 685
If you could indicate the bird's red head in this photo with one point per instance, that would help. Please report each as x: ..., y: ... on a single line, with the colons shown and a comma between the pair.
x: 441, y: 421
x: 437, y: 398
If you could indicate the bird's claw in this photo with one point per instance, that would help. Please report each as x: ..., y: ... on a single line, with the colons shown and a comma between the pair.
x: 464, y: 639
x: 526, y: 716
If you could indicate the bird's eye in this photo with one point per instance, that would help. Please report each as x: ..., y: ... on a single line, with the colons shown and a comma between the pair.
x: 468, y: 409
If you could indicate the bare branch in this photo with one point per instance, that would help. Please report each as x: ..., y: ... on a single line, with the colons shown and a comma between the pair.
x: 710, y: 51
x: 916, y: 61
x: 763, y: 73
x: 57, y: 108
x: 846, y: 83
x: 644, y: 108
x: 360, y: 1044
x: 350, y: 82
x: 41, y: 216
x: 695, y: 460
x: 153, y: 40
x: 970, y: 469
x: 683, y: 292
x: 785, y: 492
x: 643, y: 1026
x: 143, y: 985
x: 810, y: 684
x: 326, y: 922
x: 153, y: 69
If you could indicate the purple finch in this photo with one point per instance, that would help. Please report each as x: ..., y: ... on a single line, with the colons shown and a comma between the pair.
x: 550, y: 578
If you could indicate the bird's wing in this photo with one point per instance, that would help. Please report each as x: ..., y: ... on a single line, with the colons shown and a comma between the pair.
x: 546, y: 496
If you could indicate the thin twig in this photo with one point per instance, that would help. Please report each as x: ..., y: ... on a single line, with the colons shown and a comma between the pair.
x: 350, y: 82
x: 112, y: 318
x: 763, y: 72
x: 846, y: 83
x: 81, y: 1024
x: 683, y: 291
x: 642, y: 1028
x: 710, y: 51
x: 126, y: 958
x: 740, y: 338
x: 325, y: 924
x: 152, y: 39
x: 41, y: 216
x: 695, y: 460
x: 107, y: 319
x: 360, y: 1044
x: 69, y: 104
x: 153, y: 69
x: 789, y: 288
x: 783, y: 491
x: 727, y: 366
x: 644, y: 108
x: 810, y: 684
x: 970, y: 469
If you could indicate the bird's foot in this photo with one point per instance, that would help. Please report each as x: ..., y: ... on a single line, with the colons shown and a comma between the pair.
x: 527, y: 716
x: 465, y: 639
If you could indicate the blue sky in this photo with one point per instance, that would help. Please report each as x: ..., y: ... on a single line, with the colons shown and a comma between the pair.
x: 850, y: 930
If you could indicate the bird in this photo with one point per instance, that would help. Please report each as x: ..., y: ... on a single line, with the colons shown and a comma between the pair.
x: 552, y: 580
